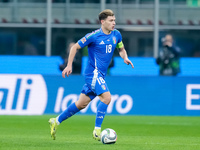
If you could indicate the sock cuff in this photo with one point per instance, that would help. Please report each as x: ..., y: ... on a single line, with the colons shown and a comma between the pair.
x: 103, y: 106
x: 75, y: 107
x: 57, y: 120
x: 97, y: 127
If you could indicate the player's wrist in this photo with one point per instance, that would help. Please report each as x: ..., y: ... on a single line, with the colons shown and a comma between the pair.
x: 125, y: 58
x: 69, y: 63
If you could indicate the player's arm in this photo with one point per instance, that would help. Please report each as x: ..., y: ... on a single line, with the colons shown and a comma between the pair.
x: 68, y: 69
x: 123, y: 54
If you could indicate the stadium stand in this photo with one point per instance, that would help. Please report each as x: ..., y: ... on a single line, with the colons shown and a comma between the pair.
x: 35, y: 13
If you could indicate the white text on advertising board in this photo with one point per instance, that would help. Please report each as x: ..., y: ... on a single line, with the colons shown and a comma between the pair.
x: 63, y: 101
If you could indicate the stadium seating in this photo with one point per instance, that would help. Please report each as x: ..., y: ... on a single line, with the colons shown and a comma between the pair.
x: 86, y: 14
x: 95, y: 21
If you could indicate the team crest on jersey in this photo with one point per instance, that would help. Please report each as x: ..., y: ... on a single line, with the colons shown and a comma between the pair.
x: 83, y: 40
x: 114, y: 40
x: 103, y: 87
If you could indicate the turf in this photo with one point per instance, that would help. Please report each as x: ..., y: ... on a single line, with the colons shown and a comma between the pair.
x: 134, y: 133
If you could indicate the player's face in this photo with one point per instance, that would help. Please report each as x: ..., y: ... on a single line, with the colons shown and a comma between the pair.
x: 168, y: 38
x: 109, y: 23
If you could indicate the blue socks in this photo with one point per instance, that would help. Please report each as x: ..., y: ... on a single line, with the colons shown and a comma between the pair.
x: 70, y: 111
x: 101, y: 111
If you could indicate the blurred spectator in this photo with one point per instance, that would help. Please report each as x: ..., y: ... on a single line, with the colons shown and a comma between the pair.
x: 77, y: 63
x: 168, y: 58
x: 196, y: 53
x: 26, y: 48
x: 29, y: 49
x: 196, y: 50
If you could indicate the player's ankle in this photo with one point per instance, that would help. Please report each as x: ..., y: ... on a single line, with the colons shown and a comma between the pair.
x: 97, y: 128
x: 57, y: 122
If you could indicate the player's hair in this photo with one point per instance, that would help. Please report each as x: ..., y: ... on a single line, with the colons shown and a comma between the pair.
x: 105, y: 13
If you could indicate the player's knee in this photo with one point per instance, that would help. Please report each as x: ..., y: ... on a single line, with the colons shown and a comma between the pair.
x: 81, y: 105
x: 107, y: 100
x: 105, y: 97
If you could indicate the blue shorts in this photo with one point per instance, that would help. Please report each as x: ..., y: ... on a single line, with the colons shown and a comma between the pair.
x: 95, y: 85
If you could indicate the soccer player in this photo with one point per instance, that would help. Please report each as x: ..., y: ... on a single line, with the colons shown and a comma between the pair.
x: 101, y: 45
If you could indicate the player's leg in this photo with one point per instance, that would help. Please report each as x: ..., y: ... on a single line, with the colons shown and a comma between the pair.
x: 70, y: 111
x: 105, y: 99
x: 74, y: 108
x: 83, y: 101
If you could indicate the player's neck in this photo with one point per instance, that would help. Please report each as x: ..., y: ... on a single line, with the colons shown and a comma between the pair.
x: 105, y: 31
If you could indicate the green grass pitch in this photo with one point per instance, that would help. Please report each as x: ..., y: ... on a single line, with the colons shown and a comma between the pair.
x: 134, y: 133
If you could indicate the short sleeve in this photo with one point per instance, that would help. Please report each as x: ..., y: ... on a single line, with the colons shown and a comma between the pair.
x: 86, y: 40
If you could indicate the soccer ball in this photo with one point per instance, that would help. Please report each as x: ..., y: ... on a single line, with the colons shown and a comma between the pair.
x: 108, y: 136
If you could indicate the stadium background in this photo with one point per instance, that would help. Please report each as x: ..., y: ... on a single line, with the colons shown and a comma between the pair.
x: 35, y: 34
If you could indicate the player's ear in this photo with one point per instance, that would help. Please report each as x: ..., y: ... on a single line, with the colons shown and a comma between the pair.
x: 102, y: 21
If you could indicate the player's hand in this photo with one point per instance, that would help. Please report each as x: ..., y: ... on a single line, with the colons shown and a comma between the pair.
x: 67, y: 71
x: 169, y: 44
x: 127, y: 61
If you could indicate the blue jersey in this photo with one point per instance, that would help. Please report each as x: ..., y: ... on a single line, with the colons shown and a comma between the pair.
x: 100, y: 49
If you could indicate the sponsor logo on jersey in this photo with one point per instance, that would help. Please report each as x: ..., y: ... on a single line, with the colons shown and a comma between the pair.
x: 83, y: 40
x: 114, y: 40
x: 101, y: 43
